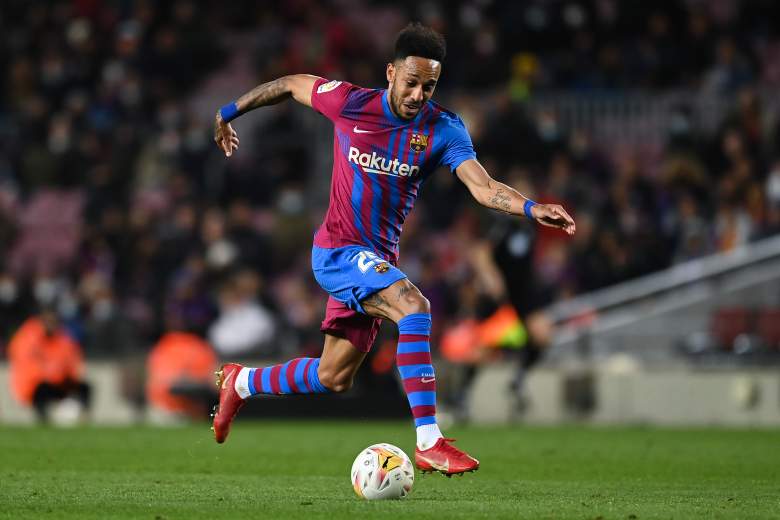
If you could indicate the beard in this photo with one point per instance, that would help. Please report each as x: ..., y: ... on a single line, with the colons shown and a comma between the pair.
x: 402, y: 109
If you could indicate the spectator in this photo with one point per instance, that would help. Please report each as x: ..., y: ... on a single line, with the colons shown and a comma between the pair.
x: 46, y: 369
x: 244, y: 326
x: 106, y: 166
x: 180, y: 371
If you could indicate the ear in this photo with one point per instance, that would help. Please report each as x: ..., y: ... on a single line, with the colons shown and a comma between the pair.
x: 390, y: 72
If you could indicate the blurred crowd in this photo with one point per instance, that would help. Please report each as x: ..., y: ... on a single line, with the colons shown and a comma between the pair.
x: 117, y: 209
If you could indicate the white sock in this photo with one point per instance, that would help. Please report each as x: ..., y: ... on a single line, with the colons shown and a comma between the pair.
x: 427, y: 435
x: 242, y: 383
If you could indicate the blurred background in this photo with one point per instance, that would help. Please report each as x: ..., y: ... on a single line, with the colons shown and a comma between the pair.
x: 134, y: 256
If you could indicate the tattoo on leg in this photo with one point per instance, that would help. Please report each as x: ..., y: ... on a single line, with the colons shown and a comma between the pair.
x: 376, y: 300
x: 403, y: 291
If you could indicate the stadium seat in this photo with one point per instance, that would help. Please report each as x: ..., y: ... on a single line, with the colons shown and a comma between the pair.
x: 44, y: 243
x: 729, y: 322
x: 768, y: 327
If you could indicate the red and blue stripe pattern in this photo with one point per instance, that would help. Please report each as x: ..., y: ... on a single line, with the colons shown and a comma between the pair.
x: 413, y: 358
x: 298, y: 376
x: 381, y: 203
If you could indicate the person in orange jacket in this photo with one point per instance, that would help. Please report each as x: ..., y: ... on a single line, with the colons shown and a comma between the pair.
x: 46, y: 364
x: 180, y: 370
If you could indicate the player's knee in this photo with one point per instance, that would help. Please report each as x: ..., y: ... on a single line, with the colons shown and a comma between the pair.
x: 334, y: 382
x: 417, y: 304
x: 338, y: 385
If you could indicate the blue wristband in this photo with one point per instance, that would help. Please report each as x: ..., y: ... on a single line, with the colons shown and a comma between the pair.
x: 527, y: 208
x: 229, y: 112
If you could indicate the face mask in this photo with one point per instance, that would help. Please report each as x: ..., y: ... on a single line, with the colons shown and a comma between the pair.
x: 8, y: 291
x: 102, y: 310
x: 548, y: 129
x: 45, y: 290
x: 773, y: 186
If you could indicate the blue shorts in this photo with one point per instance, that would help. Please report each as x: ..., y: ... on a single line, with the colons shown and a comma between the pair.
x: 351, y: 274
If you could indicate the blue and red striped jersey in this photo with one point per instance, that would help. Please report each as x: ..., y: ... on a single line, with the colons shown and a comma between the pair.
x: 379, y: 163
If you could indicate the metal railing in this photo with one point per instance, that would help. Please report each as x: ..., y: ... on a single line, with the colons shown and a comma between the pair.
x: 639, y: 117
x: 622, y: 118
x: 652, y: 312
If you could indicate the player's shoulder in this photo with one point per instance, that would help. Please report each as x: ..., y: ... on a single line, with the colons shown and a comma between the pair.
x: 354, y: 97
x: 448, y: 123
x: 324, y: 85
x: 365, y: 93
x: 444, y: 116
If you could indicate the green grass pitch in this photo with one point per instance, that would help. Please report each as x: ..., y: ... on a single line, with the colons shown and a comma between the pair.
x: 301, y: 470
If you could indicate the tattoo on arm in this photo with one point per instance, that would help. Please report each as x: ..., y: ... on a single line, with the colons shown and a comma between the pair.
x: 266, y: 94
x: 501, y: 200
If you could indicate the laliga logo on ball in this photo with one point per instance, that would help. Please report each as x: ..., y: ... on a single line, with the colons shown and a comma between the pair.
x: 382, y: 471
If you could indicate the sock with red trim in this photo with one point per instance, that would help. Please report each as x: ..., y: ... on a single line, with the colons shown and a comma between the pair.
x: 413, y: 358
x: 298, y: 376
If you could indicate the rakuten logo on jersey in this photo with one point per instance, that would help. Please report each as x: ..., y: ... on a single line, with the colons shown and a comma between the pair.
x: 373, y: 163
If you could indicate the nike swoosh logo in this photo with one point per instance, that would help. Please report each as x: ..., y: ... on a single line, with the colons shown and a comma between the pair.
x: 359, y: 131
x: 225, y: 382
x: 438, y: 467
x: 427, y: 379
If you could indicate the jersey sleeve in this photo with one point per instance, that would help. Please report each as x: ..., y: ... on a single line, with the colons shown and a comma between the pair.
x: 328, y: 97
x: 458, y: 147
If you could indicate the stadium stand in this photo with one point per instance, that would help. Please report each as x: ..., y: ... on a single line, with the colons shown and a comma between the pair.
x: 109, y: 178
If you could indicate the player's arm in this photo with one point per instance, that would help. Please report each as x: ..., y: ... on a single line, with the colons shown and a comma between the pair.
x: 497, y: 195
x: 296, y: 86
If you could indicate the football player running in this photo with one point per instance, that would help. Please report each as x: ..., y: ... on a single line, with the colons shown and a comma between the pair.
x: 386, y: 143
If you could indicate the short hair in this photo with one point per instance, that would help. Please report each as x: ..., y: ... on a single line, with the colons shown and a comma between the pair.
x: 418, y: 40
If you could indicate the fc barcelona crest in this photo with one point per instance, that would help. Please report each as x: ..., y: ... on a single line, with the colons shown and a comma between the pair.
x: 418, y: 142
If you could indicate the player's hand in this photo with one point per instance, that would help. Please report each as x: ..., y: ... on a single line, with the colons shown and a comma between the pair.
x: 224, y: 135
x: 553, y: 215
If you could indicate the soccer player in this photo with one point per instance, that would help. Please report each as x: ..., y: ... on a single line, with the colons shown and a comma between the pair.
x: 386, y: 142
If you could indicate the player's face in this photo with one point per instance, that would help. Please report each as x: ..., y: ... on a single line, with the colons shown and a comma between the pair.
x: 411, y: 84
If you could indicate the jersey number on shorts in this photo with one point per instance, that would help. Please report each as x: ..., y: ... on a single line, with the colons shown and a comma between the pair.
x: 366, y: 260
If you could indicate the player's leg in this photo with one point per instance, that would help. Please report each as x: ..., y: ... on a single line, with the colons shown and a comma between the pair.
x: 348, y: 337
x: 339, y: 363
x: 332, y: 372
x: 404, y: 304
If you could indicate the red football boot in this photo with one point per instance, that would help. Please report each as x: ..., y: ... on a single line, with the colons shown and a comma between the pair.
x: 445, y: 458
x: 229, y: 401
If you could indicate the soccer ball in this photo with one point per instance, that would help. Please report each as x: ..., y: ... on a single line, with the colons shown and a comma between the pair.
x: 382, y: 471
